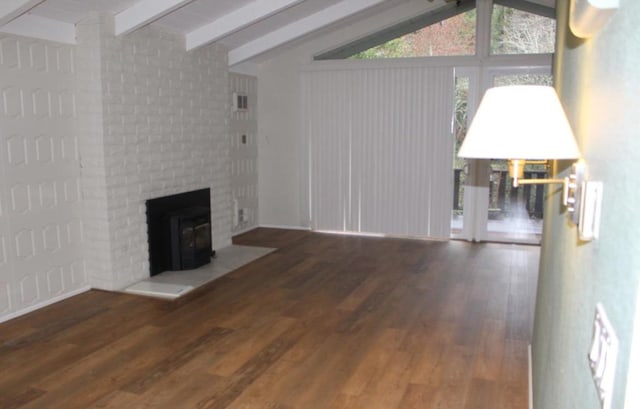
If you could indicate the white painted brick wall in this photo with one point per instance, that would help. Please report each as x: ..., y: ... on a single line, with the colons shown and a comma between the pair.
x: 91, y: 145
x: 244, y: 156
x: 164, y: 130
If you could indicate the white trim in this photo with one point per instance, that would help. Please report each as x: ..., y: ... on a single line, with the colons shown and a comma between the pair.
x: 351, y: 233
x: 143, y: 13
x: 43, y: 304
x: 530, y: 377
x: 235, y: 20
x: 299, y: 28
x: 29, y: 25
x: 520, y: 62
x: 277, y: 226
x: 346, y: 233
x: 242, y: 231
x: 245, y: 68
x: 11, y: 9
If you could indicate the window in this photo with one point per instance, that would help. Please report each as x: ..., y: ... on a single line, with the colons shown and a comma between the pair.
x: 443, y: 33
x: 519, y: 32
x: 453, y: 36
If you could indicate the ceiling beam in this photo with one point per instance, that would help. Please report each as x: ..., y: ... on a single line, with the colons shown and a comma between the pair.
x: 299, y: 28
x: 29, y: 25
x: 11, y: 9
x: 236, y: 20
x: 529, y: 7
x: 143, y: 13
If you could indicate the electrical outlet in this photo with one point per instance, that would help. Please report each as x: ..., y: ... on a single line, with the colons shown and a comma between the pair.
x: 603, y: 355
x: 243, y: 215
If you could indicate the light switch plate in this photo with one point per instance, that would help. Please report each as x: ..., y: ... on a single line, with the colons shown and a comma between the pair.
x: 590, y: 210
x: 603, y: 355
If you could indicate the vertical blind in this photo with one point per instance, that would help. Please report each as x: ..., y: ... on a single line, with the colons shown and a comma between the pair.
x: 379, y: 149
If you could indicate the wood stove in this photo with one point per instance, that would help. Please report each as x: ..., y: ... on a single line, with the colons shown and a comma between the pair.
x: 179, y: 231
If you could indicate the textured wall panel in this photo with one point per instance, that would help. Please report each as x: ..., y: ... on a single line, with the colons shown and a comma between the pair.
x: 12, y: 102
x: 37, y: 128
x: 5, y: 294
x: 380, y: 149
x: 66, y: 104
x: 47, y: 195
x: 3, y: 251
x: 41, y: 103
x: 71, y: 190
x: 16, y: 150
x: 44, y: 149
x: 51, y: 238
x: 25, y: 245
x: 29, y: 291
x: 38, y: 56
x: 62, y: 59
x: 78, y: 273
x: 9, y: 53
x: 55, y: 281
x: 73, y: 233
x: 20, y: 199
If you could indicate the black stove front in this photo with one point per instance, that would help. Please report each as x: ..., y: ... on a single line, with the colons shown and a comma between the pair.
x: 190, y: 237
x: 179, y: 229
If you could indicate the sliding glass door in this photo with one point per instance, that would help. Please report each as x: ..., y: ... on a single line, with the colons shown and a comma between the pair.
x: 486, y: 207
x: 515, y: 214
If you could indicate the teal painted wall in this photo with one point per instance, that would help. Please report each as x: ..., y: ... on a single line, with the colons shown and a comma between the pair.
x: 598, y: 81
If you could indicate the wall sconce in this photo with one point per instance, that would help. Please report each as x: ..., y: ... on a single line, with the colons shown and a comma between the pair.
x: 526, y: 124
x: 589, y: 16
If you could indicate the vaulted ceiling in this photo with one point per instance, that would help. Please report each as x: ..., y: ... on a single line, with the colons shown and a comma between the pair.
x: 249, y: 28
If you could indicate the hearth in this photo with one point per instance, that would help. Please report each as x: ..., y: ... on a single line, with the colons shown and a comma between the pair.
x: 179, y: 231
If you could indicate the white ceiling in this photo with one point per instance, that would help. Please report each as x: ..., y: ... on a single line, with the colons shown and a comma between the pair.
x: 248, y: 28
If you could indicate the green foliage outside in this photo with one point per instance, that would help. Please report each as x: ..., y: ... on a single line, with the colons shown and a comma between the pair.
x: 454, y: 36
x: 396, y: 48
x: 512, y: 32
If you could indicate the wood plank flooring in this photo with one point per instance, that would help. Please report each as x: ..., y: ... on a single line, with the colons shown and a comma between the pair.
x: 324, y: 322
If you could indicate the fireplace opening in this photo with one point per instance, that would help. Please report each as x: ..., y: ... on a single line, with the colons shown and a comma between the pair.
x: 179, y: 231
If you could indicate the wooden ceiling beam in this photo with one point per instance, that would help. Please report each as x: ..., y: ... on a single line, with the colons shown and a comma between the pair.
x: 143, y: 13
x: 29, y: 25
x: 236, y: 20
x: 299, y: 28
x: 12, y: 9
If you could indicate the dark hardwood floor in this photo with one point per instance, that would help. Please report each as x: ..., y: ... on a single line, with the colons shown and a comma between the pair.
x: 324, y: 322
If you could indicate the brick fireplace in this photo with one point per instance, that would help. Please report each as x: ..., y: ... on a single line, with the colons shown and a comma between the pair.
x: 153, y: 121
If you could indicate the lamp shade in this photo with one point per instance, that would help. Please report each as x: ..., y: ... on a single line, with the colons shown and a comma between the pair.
x: 520, y: 122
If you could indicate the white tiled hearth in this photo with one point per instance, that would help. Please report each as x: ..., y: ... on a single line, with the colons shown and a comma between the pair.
x: 174, y: 284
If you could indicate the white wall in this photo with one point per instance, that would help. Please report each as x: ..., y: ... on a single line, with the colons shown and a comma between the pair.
x: 244, y: 153
x: 283, y: 185
x: 89, y: 133
x: 41, y: 233
x: 280, y: 189
x: 157, y: 124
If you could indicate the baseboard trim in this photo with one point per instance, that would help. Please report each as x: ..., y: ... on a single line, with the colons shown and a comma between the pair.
x: 50, y: 301
x: 275, y: 226
x: 244, y: 230
x: 530, y: 378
